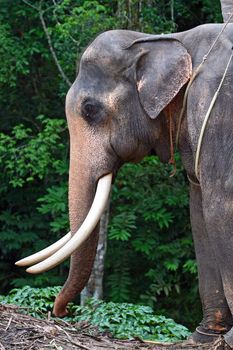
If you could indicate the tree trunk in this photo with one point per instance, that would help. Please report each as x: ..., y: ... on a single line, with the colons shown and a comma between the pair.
x: 172, y: 10
x: 227, y: 10
x: 94, y: 287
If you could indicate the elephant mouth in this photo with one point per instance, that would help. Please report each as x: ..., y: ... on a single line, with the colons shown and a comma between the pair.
x: 56, y: 253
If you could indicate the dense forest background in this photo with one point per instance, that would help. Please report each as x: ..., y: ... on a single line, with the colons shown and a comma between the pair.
x: 150, y: 256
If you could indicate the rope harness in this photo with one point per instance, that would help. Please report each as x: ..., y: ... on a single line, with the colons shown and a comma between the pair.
x: 203, y: 128
x: 172, y: 151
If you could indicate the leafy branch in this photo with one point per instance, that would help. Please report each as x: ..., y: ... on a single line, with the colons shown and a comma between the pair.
x: 48, y: 37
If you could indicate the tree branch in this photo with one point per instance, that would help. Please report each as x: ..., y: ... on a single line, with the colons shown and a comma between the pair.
x: 41, y: 15
x: 29, y: 4
x: 52, y: 49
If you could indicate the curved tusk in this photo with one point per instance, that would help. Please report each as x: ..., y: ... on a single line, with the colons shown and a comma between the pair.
x: 92, y: 218
x: 45, y: 253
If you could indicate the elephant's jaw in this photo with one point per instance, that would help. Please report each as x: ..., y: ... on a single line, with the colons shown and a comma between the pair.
x: 62, y: 249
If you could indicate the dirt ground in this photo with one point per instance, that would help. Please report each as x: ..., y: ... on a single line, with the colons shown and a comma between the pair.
x: 22, y: 332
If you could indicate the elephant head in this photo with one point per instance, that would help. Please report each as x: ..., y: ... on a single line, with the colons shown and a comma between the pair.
x: 115, y: 112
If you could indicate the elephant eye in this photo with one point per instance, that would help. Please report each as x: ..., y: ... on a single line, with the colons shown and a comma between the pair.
x: 91, y: 110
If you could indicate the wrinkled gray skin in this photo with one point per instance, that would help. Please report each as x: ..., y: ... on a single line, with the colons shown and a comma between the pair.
x: 227, y: 7
x: 117, y: 112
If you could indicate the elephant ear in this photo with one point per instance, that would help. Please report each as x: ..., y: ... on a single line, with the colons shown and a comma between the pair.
x: 163, y: 68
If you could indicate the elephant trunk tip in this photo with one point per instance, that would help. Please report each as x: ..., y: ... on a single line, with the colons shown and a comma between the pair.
x: 59, y: 308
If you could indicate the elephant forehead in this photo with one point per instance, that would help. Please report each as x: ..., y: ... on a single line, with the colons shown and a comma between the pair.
x: 89, y: 54
x: 102, y: 56
x: 106, y: 49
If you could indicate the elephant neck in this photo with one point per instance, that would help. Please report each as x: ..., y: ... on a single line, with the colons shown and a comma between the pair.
x: 171, y: 129
x: 180, y: 132
x: 168, y: 120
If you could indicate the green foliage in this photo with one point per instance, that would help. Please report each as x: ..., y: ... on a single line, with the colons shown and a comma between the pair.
x: 32, y: 167
x: 150, y: 253
x: 27, y: 157
x: 14, y: 57
x: 124, y: 321
x: 189, y: 14
x: 127, y: 321
x: 212, y: 10
x: 36, y: 301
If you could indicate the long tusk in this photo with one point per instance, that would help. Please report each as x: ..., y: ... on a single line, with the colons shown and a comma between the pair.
x: 97, y: 209
x: 45, y: 253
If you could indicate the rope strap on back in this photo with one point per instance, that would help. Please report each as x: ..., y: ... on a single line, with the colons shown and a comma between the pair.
x: 203, y: 128
x: 195, y: 73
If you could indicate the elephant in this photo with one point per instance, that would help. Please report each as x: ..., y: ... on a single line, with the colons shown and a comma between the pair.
x: 118, y: 109
x: 227, y: 8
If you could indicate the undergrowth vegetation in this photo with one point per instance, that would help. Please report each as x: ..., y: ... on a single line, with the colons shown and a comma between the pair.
x: 122, y: 320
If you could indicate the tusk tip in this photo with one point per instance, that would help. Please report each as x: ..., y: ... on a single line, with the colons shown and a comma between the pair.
x: 20, y: 263
x: 32, y: 270
x: 24, y: 262
x: 35, y: 269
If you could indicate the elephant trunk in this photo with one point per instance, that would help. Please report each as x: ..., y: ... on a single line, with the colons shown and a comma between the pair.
x: 81, y: 193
